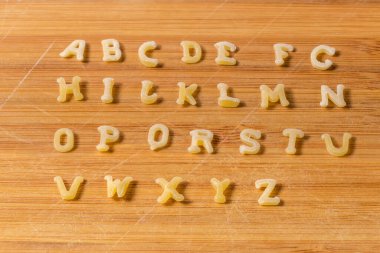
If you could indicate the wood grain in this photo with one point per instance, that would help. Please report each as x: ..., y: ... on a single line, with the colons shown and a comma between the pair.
x: 329, y: 204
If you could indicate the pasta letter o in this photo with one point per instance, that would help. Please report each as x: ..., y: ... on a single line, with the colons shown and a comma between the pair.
x: 154, y: 145
x: 69, y: 145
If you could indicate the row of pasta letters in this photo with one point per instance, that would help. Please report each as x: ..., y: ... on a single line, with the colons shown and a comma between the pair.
x: 192, y: 53
x: 186, y: 93
x: 200, y: 138
x: 119, y: 188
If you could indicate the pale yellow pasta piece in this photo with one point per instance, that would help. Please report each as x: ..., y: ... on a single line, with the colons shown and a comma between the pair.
x: 267, y: 94
x: 146, y: 86
x: 169, y: 190
x: 107, y: 96
x: 72, y: 192
x: 111, y: 50
x: 293, y: 134
x: 69, y: 145
x: 224, y: 100
x: 186, y: 93
x: 187, y: 46
x: 281, y: 52
x: 144, y: 59
x: 201, y: 137
x: 116, y: 186
x: 220, y: 187
x: 328, y: 94
x: 249, y: 137
x: 75, y: 48
x: 343, y: 150
x: 265, y: 199
x: 108, y: 134
x: 72, y: 88
x: 224, y: 49
x: 321, y: 49
x: 153, y: 131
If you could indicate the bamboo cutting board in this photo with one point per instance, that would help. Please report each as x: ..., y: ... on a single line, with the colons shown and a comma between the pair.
x: 329, y: 204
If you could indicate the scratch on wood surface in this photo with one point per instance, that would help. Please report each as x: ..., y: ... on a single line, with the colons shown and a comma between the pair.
x: 142, y: 218
x: 26, y: 75
x: 7, y: 33
x: 13, y: 136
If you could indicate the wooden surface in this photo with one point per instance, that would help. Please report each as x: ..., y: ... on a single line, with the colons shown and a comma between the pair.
x: 329, y: 204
